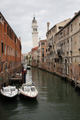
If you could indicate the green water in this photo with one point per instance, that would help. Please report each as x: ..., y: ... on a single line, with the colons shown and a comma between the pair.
x: 57, y: 100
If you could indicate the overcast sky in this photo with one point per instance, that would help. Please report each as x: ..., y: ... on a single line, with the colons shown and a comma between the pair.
x: 19, y: 14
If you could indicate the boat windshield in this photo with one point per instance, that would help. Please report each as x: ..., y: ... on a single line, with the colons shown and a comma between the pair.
x: 12, y: 89
x: 32, y: 89
x: 6, y: 90
x: 26, y: 89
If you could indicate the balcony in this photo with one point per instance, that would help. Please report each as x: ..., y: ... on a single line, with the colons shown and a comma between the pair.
x: 38, y: 56
x: 51, y: 52
x: 60, y: 52
x: 48, y: 49
x: 71, y: 52
x: 50, y: 44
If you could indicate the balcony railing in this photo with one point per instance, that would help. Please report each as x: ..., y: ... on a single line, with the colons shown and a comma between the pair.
x: 51, y: 52
x: 50, y: 44
x: 59, y: 52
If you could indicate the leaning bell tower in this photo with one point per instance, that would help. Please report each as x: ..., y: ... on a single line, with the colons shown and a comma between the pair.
x: 34, y: 32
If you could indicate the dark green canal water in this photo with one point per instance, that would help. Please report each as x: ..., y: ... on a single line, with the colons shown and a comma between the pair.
x: 57, y: 100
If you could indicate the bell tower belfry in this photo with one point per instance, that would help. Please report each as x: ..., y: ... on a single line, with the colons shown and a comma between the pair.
x: 34, y: 32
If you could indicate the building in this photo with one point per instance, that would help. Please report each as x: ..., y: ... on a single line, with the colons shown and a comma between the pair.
x: 29, y: 58
x: 34, y: 56
x: 51, y: 43
x: 10, y: 51
x: 68, y: 49
x: 42, y: 54
x: 34, y: 33
x: 24, y: 58
x: 62, y: 49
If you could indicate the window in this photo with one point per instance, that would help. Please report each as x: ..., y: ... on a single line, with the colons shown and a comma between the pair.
x: 71, y: 44
x: 67, y: 45
x: 4, y: 27
x: 34, y: 29
x: 70, y: 60
x: 6, y: 65
x: 5, y: 49
x: 10, y: 51
x: 61, y: 34
x: 2, y: 47
x: 64, y: 33
x: 67, y: 41
x: 1, y: 66
x: 43, y: 60
x: 42, y: 55
x: 7, y: 30
x: 71, y: 27
x: 15, y: 39
x: 42, y: 49
x: 42, y: 43
x: 68, y: 30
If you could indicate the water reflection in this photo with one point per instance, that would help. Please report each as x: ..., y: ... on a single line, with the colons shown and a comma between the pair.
x: 30, y: 104
x: 57, y: 100
x: 29, y: 76
x: 7, y: 108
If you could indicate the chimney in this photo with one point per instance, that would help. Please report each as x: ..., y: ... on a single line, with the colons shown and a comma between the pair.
x: 19, y: 38
x: 75, y: 13
x: 48, y: 23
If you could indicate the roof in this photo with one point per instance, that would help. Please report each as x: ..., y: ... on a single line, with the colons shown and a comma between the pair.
x: 24, y: 54
x: 8, y: 23
x: 57, y: 24
x: 43, y: 40
x: 77, y: 14
x: 34, y: 49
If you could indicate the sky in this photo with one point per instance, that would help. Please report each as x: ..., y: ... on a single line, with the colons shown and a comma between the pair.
x: 19, y: 14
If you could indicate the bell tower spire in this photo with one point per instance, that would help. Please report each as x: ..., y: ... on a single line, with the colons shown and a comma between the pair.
x: 34, y: 32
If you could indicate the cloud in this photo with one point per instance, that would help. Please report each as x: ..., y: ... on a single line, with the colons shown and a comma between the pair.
x: 19, y: 15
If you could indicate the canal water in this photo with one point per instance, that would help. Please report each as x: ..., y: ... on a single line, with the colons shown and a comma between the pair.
x: 57, y: 100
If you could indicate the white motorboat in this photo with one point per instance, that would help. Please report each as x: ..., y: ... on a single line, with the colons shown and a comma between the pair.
x: 9, y: 91
x: 28, y: 90
x: 28, y: 67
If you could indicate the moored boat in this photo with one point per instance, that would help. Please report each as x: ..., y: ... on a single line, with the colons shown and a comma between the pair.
x: 28, y: 67
x: 28, y: 90
x: 9, y: 91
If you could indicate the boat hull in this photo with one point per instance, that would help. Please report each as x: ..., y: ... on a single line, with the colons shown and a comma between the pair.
x: 28, y: 67
x: 8, y: 96
x: 27, y: 96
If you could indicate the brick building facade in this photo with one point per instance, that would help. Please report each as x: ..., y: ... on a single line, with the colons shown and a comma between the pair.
x: 10, y: 51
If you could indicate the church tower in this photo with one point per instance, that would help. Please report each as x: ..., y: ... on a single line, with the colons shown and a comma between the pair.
x: 34, y: 32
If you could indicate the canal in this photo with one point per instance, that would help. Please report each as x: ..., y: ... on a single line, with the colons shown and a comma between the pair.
x: 57, y: 100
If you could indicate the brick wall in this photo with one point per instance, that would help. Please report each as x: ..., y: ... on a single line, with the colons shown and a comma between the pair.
x: 10, y: 48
